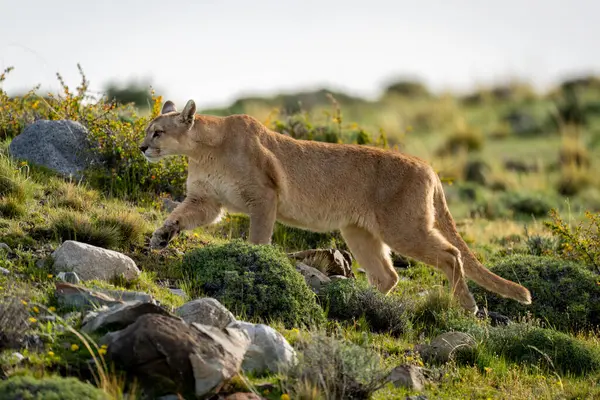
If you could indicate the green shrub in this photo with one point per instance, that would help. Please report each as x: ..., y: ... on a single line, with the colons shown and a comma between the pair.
x: 251, y: 280
x: 52, y: 388
x: 129, y: 225
x: 69, y: 225
x: 465, y: 139
x: 334, y: 369
x: 565, y: 295
x: 552, y: 350
x: 349, y: 299
x: 580, y: 243
x: 525, y: 204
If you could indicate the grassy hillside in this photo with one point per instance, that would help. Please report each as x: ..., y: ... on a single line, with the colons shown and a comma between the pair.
x: 519, y: 173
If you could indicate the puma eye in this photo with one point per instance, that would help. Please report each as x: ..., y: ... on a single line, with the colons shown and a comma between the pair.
x: 157, y: 134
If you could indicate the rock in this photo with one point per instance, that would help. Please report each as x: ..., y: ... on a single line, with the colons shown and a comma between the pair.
x: 178, y: 292
x: 206, y: 311
x: 4, y: 271
x: 17, y: 357
x: 5, y: 247
x: 168, y: 356
x: 314, y: 278
x: 408, y: 376
x: 62, y: 146
x: 75, y: 296
x: 127, y: 295
x: 337, y: 277
x: 443, y: 347
x: 91, y: 262
x: 328, y: 261
x: 69, y: 277
x: 269, y: 351
x: 417, y: 397
x: 495, y: 318
x: 119, y: 316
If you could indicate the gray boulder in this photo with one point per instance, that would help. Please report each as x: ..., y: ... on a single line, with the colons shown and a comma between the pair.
x: 91, y: 262
x: 62, y: 146
x: 118, y: 316
x: 444, y: 346
x: 206, y: 311
x: 314, y: 278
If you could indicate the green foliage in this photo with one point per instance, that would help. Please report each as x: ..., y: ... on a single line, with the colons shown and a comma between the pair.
x: 565, y: 295
x: 237, y: 226
x: 11, y: 207
x: 549, y: 349
x: 407, y: 88
x: 50, y: 388
x: 334, y: 369
x: 131, y: 93
x: 116, y: 130
x: 580, y: 243
x: 251, y: 280
x: 463, y: 139
x: 526, y: 204
x: 349, y: 300
x: 68, y: 225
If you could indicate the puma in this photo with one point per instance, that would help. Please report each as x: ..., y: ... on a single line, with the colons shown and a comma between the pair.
x: 378, y: 199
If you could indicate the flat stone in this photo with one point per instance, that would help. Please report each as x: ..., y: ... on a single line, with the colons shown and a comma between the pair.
x: 119, y: 316
x: 408, y: 376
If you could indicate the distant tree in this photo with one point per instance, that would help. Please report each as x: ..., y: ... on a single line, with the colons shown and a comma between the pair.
x: 408, y: 88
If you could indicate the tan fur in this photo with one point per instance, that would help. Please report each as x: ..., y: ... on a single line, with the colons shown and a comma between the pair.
x: 378, y: 199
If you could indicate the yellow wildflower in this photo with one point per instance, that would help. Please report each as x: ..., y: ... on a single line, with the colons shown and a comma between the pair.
x: 23, y: 302
x: 74, y: 347
x: 32, y: 320
x: 102, y: 351
x: 52, y: 309
x: 51, y: 353
x: 285, y: 396
x: 36, y: 310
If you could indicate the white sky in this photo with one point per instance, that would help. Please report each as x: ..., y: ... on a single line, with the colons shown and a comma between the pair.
x: 213, y: 51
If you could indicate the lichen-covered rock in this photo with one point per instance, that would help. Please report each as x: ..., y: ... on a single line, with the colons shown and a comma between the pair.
x: 62, y: 146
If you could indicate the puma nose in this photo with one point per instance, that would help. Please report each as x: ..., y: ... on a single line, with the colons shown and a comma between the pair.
x: 143, y: 148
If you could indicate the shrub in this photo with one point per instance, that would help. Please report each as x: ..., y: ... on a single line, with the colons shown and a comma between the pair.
x: 129, y: 226
x: 69, y: 225
x: 528, y: 205
x: 70, y: 196
x: 254, y: 281
x: 552, y: 350
x: 51, y: 388
x: 334, y: 369
x: 565, y: 295
x: 573, y: 153
x: 580, y: 243
x: 464, y: 138
x: 573, y: 180
x: 349, y: 299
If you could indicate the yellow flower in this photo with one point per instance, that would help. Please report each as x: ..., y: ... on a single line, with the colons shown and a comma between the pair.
x: 52, y: 309
x: 36, y: 310
x: 50, y: 276
x: 487, y: 369
x: 32, y: 320
x: 74, y: 347
x: 102, y: 351
x: 51, y: 353
x: 196, y: 235
x: 104, y: 346
x: 285, y: 396
x: 23, y: 302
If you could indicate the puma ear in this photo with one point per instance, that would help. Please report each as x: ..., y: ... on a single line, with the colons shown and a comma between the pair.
x: 168, y: 107
x: 187, y: 115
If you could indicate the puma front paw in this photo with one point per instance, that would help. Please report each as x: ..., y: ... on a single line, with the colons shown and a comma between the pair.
x: 163, y: 235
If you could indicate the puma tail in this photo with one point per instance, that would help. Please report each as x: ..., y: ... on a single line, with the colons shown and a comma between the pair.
x: 472, y: 267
